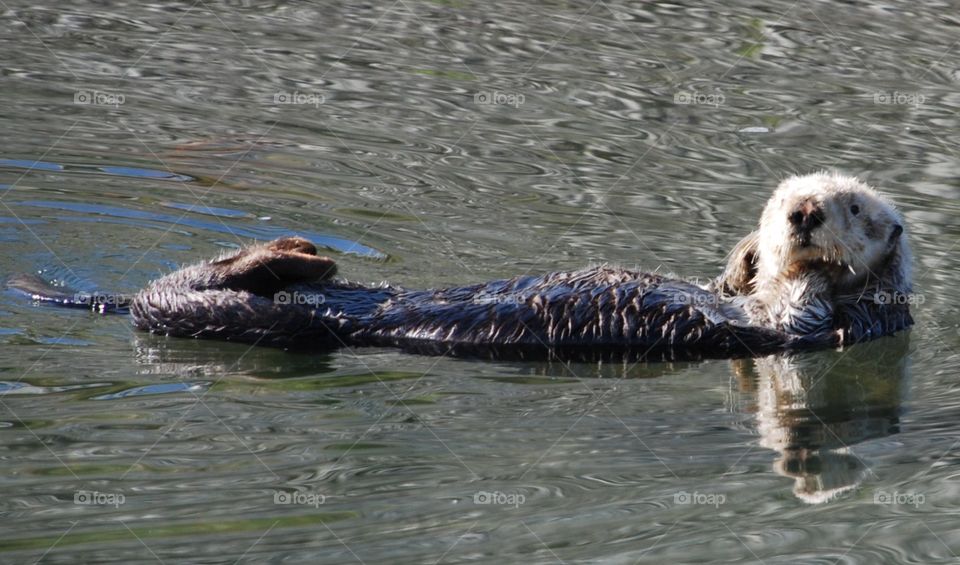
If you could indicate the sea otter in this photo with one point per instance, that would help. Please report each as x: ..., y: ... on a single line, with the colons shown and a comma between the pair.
x: 829, y: 265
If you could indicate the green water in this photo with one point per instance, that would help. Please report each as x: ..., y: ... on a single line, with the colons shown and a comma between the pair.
x: 437, y: 143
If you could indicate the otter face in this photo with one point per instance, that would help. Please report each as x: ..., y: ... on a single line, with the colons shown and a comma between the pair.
x: 832, y: 224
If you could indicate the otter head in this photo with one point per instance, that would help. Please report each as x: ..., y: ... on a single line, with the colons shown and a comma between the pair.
x: 833, y: 225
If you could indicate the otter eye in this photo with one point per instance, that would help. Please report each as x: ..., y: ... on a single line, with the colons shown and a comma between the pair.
x: 854, y: 209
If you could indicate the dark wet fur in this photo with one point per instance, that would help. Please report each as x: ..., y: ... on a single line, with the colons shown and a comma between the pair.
x: 592, y: 309
x: 591, y: 314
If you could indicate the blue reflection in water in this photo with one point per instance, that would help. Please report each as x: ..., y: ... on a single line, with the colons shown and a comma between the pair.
x: 147, y: 390
x: 27, y: 164
x: 144, y: 173
x: 208, y: 210
x: 260, y: 232
x: 134, y: 172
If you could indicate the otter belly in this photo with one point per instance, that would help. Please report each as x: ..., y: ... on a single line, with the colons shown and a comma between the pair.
x: 591, y: 308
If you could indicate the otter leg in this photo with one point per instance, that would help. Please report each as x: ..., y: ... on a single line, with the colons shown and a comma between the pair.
x: 166, y: 308
x: 268, y: 268
x: 233, y: 299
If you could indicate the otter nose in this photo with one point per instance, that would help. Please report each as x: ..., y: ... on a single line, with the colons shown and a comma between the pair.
x: 806, y: 217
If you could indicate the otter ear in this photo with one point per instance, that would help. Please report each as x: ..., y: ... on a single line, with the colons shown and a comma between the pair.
x: 897, y: 270
x: 741, y: 270
x: 896, y: 233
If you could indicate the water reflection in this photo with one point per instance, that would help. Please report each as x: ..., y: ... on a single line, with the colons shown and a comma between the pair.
x: 98, y: 213
x: 159, y: 356
x: 133, y: 172
x: 812, y: 409
x: 598, y: 165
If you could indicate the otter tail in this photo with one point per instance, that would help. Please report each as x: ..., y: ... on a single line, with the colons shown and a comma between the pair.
x: 44, y: 291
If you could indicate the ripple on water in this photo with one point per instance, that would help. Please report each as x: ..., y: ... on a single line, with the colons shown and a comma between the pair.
x: 422, y: 150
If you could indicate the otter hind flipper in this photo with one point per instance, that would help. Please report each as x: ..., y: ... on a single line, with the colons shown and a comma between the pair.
x: 42, y: 290
x: 277, y: 294
x: 266, y: 269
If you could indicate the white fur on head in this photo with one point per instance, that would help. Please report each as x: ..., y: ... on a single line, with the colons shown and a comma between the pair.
x: 861, y: 238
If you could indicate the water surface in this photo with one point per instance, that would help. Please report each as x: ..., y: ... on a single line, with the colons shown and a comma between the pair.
x: 434, y: 143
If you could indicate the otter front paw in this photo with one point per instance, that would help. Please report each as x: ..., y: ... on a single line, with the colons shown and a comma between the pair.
x: 266, y: 269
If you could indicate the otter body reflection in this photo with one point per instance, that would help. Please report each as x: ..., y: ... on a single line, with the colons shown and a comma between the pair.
x: 812, y: 409
x: 816, y: 273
